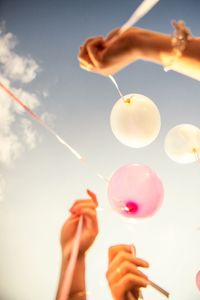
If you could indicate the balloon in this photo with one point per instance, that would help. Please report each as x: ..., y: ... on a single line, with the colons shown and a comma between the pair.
x: 135, y: 191
x: 198, y: 280
x: 182, y: 143
x: 135, y: 120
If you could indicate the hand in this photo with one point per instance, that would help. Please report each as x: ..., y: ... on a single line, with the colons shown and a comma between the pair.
x: 87, y: 209
x: 108, y: 56
x: 123, y: 275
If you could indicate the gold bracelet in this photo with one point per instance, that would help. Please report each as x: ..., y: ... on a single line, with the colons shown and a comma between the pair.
x: 179, y: 40
x: 78, y: 295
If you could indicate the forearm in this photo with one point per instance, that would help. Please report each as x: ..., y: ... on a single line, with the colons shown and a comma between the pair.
x: 157, y: 48
x: 78, y: 282
x: 137, y: 43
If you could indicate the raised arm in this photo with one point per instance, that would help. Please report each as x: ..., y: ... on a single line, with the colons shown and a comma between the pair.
x: 87, y: 209
x: 110, y: 55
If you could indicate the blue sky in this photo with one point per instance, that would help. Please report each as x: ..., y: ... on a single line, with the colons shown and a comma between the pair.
x: 42, y: 182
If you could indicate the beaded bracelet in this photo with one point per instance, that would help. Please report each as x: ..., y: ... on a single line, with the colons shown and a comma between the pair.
x: 179, y: 40
x: 78, y: 295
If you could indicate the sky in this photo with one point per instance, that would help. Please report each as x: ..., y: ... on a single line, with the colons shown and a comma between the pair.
x: 40, y: 179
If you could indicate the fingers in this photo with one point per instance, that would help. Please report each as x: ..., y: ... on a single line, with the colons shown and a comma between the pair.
x: 75, y: 209
x: 94, y: 50
x: 124, y: 268
x: 90, y: 220
x: 92, y: 202
x: 125, y: 256
x: 84, y: 58
x: 120, y: 252
x: 87, y: 208
x: 114, y: 250
x: 123, y: 274
x: 93, y: 196
x: 87, y: 212
x: 83, y: 55
x: 90, y: 53
x: 129, y: 280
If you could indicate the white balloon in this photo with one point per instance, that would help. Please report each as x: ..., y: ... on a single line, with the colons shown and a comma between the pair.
x: 182, y: 143
x: 135, y: 120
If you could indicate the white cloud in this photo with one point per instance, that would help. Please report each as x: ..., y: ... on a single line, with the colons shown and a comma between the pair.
x: 15, y: 67
x: 10, y: 148
x: 28, y: 99
x: 48, y: 119
x: 29, y: 135
x: 16, y: 134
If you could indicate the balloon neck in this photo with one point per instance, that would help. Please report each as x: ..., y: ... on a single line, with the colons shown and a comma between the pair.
x: 127, y: 100
x: 131, y: 207
x: 196, y: 154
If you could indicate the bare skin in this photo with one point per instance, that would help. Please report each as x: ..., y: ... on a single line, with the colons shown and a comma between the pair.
x: 109, y: 55
x: 123, y: 274
x: 87, y: 209
x: 121, y: 257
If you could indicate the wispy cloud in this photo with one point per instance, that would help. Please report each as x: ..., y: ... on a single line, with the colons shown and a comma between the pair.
x: 48, y: 119
x: 29, y: 135
x: 15, y: 67
x: 16, y: 133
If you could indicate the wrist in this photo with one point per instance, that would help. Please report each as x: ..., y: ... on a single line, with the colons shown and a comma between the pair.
x: 152, y: 45
x: 124, y: 46
x: 66, y: 258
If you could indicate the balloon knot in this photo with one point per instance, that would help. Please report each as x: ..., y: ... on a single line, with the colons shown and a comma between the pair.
x: 131, y: 207
x: 127, y: 101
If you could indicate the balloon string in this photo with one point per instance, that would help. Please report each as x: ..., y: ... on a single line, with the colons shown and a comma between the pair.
x: 142, y: 10
x: 37, y: 118
x: 69, y: 272
x: 116, y: 85
x: 152, y: 284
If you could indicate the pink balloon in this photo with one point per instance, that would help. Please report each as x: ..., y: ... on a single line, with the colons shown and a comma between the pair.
x: 198, y: 280
x: 135, y: 191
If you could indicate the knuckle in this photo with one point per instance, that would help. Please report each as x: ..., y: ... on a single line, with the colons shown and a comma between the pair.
x: 128, y: 279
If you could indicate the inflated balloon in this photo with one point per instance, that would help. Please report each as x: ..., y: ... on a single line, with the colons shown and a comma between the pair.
x: 182, y: 143
x: 135, y: 120
x: 198, y: 280
x: 135, y: 191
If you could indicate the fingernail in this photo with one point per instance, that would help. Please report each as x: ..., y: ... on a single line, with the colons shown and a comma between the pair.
x: 90, y: 193
x: 133, y: 249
